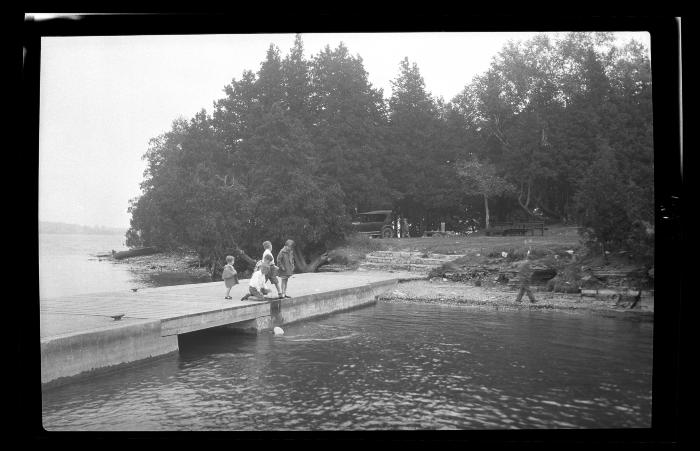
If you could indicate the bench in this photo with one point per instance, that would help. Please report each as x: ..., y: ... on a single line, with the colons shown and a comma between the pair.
x: 515, y: 228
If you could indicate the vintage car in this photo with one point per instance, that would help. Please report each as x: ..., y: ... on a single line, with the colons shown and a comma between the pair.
x: 374, y: 223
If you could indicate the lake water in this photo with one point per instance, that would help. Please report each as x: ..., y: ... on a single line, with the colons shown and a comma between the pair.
x: 387, y: 366
x: 67, y: 265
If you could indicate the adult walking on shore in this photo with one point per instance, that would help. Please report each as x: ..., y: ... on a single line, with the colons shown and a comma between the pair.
x: 525, y: 274
x: 285, y: 262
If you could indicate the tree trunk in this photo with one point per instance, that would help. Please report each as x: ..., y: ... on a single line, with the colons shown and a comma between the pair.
x: 240, y: 254
x: 486, y: 207
x: 214, y: 258
x: 539, y: 203
x: 301, y: 265
x: 605, y: 254
x: 558, y: 216
x: 526, y: 205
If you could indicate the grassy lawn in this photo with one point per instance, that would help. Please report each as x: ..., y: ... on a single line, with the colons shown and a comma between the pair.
x: 556, y: 240
x: 556, y: 237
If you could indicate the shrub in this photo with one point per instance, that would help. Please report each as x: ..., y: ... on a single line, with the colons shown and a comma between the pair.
x: 612, y: 207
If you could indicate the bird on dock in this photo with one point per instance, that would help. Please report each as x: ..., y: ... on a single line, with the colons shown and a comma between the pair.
x: 117, y: 317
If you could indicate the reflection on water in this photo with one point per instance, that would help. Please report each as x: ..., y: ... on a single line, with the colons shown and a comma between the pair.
x: 389, y: 366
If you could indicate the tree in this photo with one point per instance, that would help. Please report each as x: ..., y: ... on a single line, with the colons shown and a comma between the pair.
x: 269, y: 84
x: 421, y: 151
x: 276, y: 159
x: 481, y: 178
x: 296, y: 79
x: 348, y: 117
x: 249, y: 173
x: 542, y: 105
x: 292, y: 149
x: 188, y: 199
x: 604, y: 202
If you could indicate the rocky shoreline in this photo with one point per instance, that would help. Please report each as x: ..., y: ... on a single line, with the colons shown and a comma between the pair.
x: 459, y: 289
x: 497, y: 298
x: 173, y: 264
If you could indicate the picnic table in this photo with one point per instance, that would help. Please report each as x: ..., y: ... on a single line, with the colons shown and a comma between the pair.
x: 515, y: 228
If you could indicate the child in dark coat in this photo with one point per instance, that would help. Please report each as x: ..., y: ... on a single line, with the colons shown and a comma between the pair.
x: 285, y: 261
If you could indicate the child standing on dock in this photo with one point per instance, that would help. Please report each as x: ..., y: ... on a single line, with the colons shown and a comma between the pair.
x: 229, y: 276
x: 269, y: 269
x: 285, y: 259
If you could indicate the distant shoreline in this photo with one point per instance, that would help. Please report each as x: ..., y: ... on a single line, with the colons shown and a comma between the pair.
x: 44, y: 232
x: 60, y: 228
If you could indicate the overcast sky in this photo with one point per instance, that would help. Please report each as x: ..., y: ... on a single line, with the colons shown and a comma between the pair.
x: 103, y: 98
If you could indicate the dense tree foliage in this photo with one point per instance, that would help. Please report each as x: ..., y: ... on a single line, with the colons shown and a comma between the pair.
x: 293, y: 150
x: 548, y: 112
x: 421, y: 151
x: 348, y: 121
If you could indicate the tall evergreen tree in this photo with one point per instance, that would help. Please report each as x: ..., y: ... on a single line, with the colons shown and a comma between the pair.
x: 420, y: 159
x: 245, y: 175
x: 603, y: 202
x: 269, y: 84
x: 347, y: 126
x: 296, y: 79
x: 186, y: 200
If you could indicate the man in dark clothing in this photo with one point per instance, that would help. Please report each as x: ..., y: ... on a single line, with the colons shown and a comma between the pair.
x: 524, y: 274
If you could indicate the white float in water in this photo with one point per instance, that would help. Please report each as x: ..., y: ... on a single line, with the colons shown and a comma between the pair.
x: 278, y: 331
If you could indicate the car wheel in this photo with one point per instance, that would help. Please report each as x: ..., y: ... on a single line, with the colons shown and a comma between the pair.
x: 387, y: 233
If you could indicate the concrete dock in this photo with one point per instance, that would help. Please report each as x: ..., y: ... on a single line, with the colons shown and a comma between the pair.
x: 79, y: 335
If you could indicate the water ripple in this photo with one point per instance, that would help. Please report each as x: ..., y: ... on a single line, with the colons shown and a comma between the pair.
x: 390, y: 366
